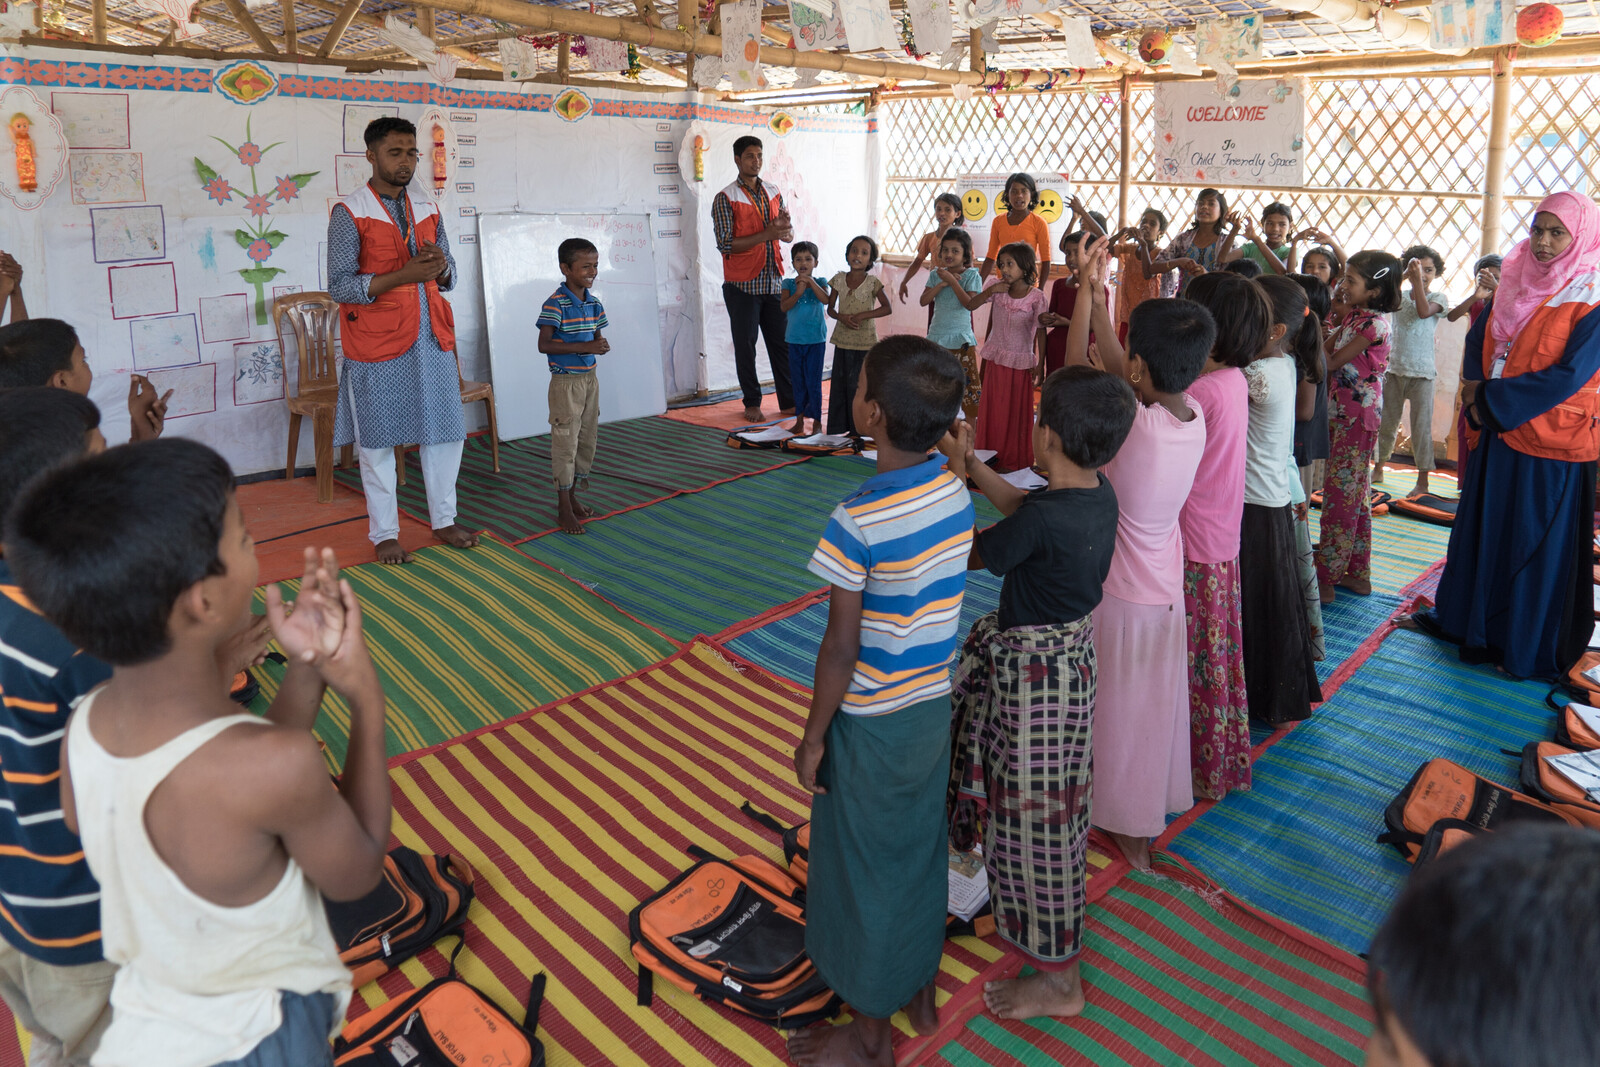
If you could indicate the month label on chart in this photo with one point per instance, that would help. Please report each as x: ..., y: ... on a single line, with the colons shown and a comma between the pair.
x: 667, y: 190
x: 663, y: 146
x: 463, y: 116
x: 464, y: 187
x: 466, y: 139
x: 468, y: 211
x: 467, y: 239
x: 669, y: 210
x: 664, y: 234
x: 663, y: 127
x: 666, y: 168
x: 464, y: 162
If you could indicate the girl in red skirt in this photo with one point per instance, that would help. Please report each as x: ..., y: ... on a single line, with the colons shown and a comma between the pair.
x: 1013, y: 359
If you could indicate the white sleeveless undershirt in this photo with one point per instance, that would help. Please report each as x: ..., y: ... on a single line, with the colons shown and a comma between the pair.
x: 199, y: 982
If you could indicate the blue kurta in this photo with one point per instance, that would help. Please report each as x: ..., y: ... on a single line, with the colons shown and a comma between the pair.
x: 1518, y: 581
x: 413, y: 399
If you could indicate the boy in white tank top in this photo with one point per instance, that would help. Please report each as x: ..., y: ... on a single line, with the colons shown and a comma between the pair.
x: 214, y: 835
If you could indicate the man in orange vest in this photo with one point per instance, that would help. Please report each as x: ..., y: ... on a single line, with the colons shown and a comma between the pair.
x: 388, y: 262
x: 750, y: 220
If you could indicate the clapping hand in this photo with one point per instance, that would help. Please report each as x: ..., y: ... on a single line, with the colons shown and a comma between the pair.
x: 1233, y: 221
x: 1487, y: 283
x: 323, y: 628
x: 147, y: 412
x: 956, y: 445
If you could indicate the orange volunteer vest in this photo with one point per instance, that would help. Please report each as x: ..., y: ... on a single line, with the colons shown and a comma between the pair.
x: 1569, y: 431
x: 746, y: 266
x: 388, y: 327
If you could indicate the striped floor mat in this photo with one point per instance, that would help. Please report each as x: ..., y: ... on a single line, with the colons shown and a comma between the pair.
x: 571, y: 815
x: 1402, y: 548
x: 702, y: 563
x: 465, y: 639
x: 1301, y: 843
x: 636, y: 461
x: 1179, y: 979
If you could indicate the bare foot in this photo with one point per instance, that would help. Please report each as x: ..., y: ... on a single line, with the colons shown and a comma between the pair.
x: 752, y: 414
x: 457, y: 536
x: 1136, y: 849
x: 862, y: 1043
x: 1325, y: 592
x: 390, y: 552
x: 579, y: 508
x: 923, y: 1011
x: 570, y: 513
x: 1377, y: 474
x: 1356, y: 586
x: 784, y: 413
x: 799, y: 428
x: 1055, y: 993
x: 1422, y: 487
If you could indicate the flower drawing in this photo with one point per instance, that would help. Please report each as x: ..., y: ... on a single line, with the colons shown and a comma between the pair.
x: 258, y: 238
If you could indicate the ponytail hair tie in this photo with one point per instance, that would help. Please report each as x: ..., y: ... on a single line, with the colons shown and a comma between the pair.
x: 1307, y: 314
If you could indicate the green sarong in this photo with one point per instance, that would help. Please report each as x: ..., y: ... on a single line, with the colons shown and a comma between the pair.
x: 878, y: 881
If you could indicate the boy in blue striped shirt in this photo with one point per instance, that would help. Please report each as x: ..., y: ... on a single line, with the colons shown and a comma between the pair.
x: 569, y: 335
x: 876, y: 751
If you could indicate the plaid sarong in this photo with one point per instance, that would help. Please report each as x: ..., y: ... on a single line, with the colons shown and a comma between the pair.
x: 1022, y: 711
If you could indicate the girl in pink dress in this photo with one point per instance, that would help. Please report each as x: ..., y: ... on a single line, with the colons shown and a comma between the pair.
x: 1219, y: 716
x: 1358, y: 354
x: 1141, y: 728
x: 1013, y: 358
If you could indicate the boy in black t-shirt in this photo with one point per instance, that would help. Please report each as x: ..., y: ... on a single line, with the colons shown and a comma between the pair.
x: 1024, y: 691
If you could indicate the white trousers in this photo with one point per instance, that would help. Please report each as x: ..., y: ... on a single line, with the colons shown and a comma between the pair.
x: 440, y: 465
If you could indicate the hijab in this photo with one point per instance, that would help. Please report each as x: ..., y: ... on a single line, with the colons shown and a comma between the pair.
x: 1526, y: 283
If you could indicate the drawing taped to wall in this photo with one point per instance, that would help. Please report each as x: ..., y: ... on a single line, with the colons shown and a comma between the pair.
x: 145, y: 289
x: 356, y: 118
x: 225, y: 318
x: 107, y: 177
x: 194, y: 389
x: 165, y: 342
x: 257, y: 373
x: 93, y: 120
x: 350, y: 173
x: 122, y: 234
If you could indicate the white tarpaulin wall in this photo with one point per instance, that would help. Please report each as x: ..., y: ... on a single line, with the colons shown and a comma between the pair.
x: 143, y: 252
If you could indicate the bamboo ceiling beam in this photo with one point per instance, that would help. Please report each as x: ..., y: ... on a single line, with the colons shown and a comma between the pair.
x: 662, y: 68
x: 98, y: 21
x: 291, y: 36
x: 336, y: 28
x: 248, y: 23
x: 563, y: 20
x: 126, y: 24
x: 425, y: 23
x: 647, y: 12
x: 564, y: 58
x: 1494, y: 178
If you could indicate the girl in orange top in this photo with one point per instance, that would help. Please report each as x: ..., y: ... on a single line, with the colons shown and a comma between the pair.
x: 946, y: 213
x: 1019, y: 224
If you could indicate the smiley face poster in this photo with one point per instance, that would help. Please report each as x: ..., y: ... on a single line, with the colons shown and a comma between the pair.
x: 983, y: 197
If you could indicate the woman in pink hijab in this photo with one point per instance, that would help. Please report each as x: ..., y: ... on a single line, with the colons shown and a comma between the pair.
x: 1518, y: 583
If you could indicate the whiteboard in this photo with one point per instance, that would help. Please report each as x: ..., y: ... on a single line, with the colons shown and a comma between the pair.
x: 519, y: 274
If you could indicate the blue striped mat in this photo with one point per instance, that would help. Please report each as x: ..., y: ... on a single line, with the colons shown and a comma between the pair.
x: 788, y: 646
x: 1301, y: 843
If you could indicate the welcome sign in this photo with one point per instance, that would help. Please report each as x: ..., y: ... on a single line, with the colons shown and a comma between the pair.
x: 1253, y: 136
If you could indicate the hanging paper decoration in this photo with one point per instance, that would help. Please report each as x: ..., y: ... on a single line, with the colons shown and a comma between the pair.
x: 1182, y: 60
x: 1539, y: 25
x: 37, y: 145
x: 407, y: 38
x: 1462, y: 25
x: 741, y: 36
x: 806, y: 78
x: 1155, y: 47
x: 908, y: 39
x: 1221, y: 43
x: 707, y: 71
x: 178, y: 12
x: 868, y: 25
x: 17, y: 19
x: 605, y: 55
x: 440, y: 176
x: 635, y: 67
x: 931, y: 25
x: 1078, y: 36
x: 986, y: 38
x: 814, y: 29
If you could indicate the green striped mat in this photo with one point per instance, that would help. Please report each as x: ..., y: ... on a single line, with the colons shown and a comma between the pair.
x: 636, y: 461
x: 1402, y: 548
x: 1177, y: 978
x: 703, y: 562
x: 466, y: 639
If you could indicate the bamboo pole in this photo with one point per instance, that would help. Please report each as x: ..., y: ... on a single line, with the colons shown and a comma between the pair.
x: 564, y: 59
x: 1494, y: 179
x: 98, y: 21
x: 425, y: 23
x: 975, y: 50
x: 563, y: 20
x: 291, y: 34
x: 336, y: 28
x: 248, y: 23
x: 1125, y: 178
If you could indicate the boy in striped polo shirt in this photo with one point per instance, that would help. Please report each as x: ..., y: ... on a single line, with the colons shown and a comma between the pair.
x: 569, y: 335
x: 876, y: 751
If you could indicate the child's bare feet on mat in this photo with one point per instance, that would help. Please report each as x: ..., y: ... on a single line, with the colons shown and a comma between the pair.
x: 457, y: 536
x: 862, y: 1043
x: 1325, y: 592
x: 570, y: 513
x: 1377, y: 474
x: 752, y: 414
x: 784, y: 413
x: 1422, y: 486
x: 1135, y: 849
x: 923, y: 1011
x: 390, y: 552
x: 1055, y: 993
x: 799, y: 428
x: 1356, y: 586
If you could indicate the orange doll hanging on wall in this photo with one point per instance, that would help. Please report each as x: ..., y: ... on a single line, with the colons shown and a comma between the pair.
x: 439, y: 174
x: 27, y: 161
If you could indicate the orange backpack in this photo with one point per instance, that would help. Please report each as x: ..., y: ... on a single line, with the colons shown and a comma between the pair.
x: 418, y: 900
x: 1443, y: 836
x: 1543, y: 782
x: 732, y: 932
x: 1444, y: 790
x: 446, y: 1023
x: 1571, y: 730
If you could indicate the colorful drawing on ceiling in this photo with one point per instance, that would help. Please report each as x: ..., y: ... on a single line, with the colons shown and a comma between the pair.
x: 257, y: 238
x: 246, y: 82
x: 38, y: 147
x: 572, y: 105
